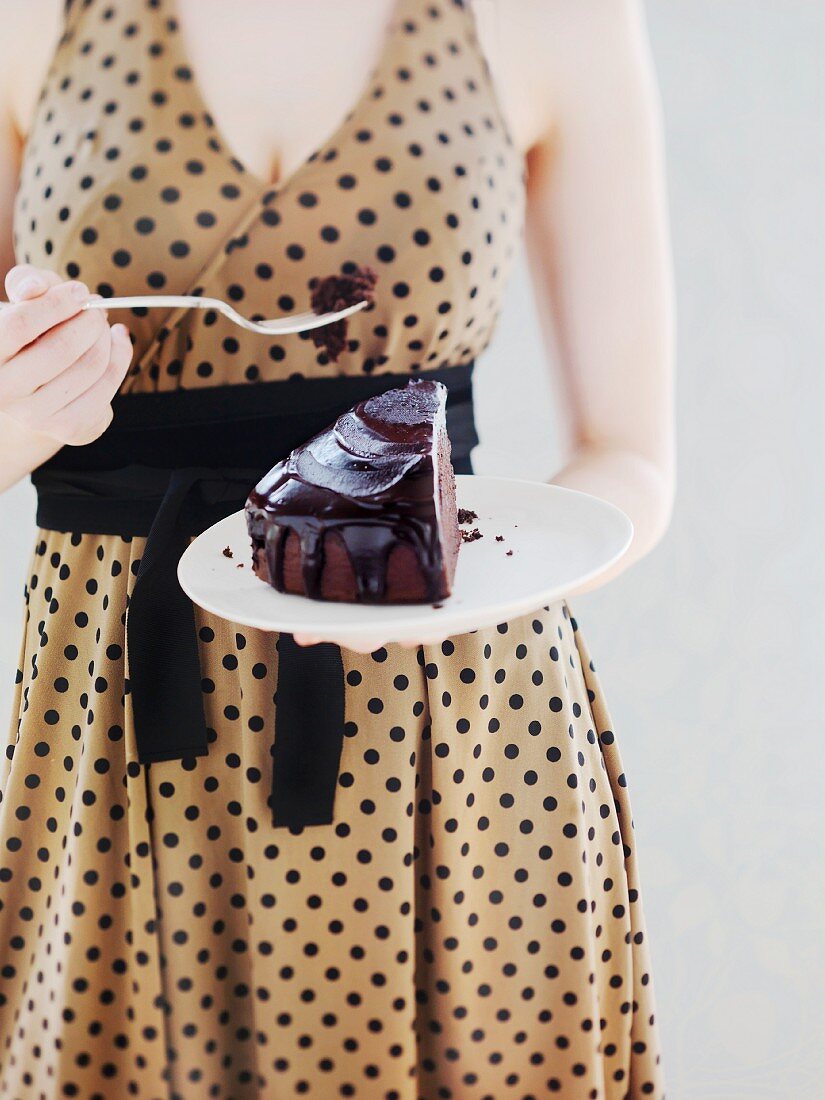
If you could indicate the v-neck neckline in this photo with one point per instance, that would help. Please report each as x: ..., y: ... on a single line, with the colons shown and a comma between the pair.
x: 281, y: 184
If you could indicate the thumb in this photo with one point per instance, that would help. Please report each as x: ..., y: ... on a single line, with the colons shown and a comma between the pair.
x: 24, y: 282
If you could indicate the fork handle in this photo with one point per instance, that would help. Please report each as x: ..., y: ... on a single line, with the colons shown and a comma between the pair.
x: 168, y: 301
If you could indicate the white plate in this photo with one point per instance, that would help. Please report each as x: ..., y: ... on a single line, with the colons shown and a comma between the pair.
x: 559, y: 539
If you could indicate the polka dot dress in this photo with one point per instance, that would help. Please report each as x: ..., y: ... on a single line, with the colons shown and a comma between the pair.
x: 470, y: 925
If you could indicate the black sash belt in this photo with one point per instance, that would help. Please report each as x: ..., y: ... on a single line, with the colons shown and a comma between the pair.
x: 170, y: 465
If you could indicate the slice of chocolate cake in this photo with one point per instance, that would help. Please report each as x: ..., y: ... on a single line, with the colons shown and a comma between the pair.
x: 364, y: 511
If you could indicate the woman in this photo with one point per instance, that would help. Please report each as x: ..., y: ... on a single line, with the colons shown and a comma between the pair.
x: 467, y: 922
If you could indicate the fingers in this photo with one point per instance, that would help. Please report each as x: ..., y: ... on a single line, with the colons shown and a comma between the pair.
x: 52, y: 353
x: 28, y: 319
x: 364, y: 644
x: 48, y: 400
x: 360, y: 645
x: 88, y: 416
x: 24, y: 282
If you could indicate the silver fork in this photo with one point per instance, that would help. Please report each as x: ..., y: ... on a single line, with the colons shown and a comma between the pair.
x: 277, y: 326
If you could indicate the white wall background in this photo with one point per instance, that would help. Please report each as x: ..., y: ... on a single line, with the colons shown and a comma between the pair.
x: 711, y: 650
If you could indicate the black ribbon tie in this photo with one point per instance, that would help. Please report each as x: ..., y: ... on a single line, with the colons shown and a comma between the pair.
x: 309, y: 732
x: 170, y: 465
x: 161, y: 639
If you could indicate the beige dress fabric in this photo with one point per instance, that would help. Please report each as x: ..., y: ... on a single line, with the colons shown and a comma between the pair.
x: 470, y: 925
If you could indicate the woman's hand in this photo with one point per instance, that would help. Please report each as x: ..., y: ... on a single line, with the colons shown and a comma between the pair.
x: 60, y: 365
x: 367, y: 643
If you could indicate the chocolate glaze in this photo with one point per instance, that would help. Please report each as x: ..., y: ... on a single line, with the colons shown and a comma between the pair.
x: 375, y: 479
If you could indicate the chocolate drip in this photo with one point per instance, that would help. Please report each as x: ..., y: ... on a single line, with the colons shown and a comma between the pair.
x: 371, y: 481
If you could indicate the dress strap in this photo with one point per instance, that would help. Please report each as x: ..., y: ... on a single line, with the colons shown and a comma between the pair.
x: 455, y: 22
x: 72, y: 11
x: 75, y: 13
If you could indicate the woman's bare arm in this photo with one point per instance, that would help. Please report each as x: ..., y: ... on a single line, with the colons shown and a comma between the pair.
x: 21, y: 450
x: 59, y: 368
x: 577, y: 87
x: 599, y: 250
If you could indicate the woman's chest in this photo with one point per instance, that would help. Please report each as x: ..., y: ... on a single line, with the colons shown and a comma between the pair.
x: 131, y: 183
x: 275, y: 79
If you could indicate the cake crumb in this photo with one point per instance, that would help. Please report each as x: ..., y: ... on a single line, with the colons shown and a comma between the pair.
x: 509, y: 553
x: 499, y: 538
x: 472, y: 535
x: 227, y: 552
x: 239, y: 565
x: 438, y: 605
x: 466, y: 515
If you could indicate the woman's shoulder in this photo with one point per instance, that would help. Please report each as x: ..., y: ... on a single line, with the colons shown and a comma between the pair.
x: 541, y: 52
x: 517, y: 38
x: 31, y: 31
